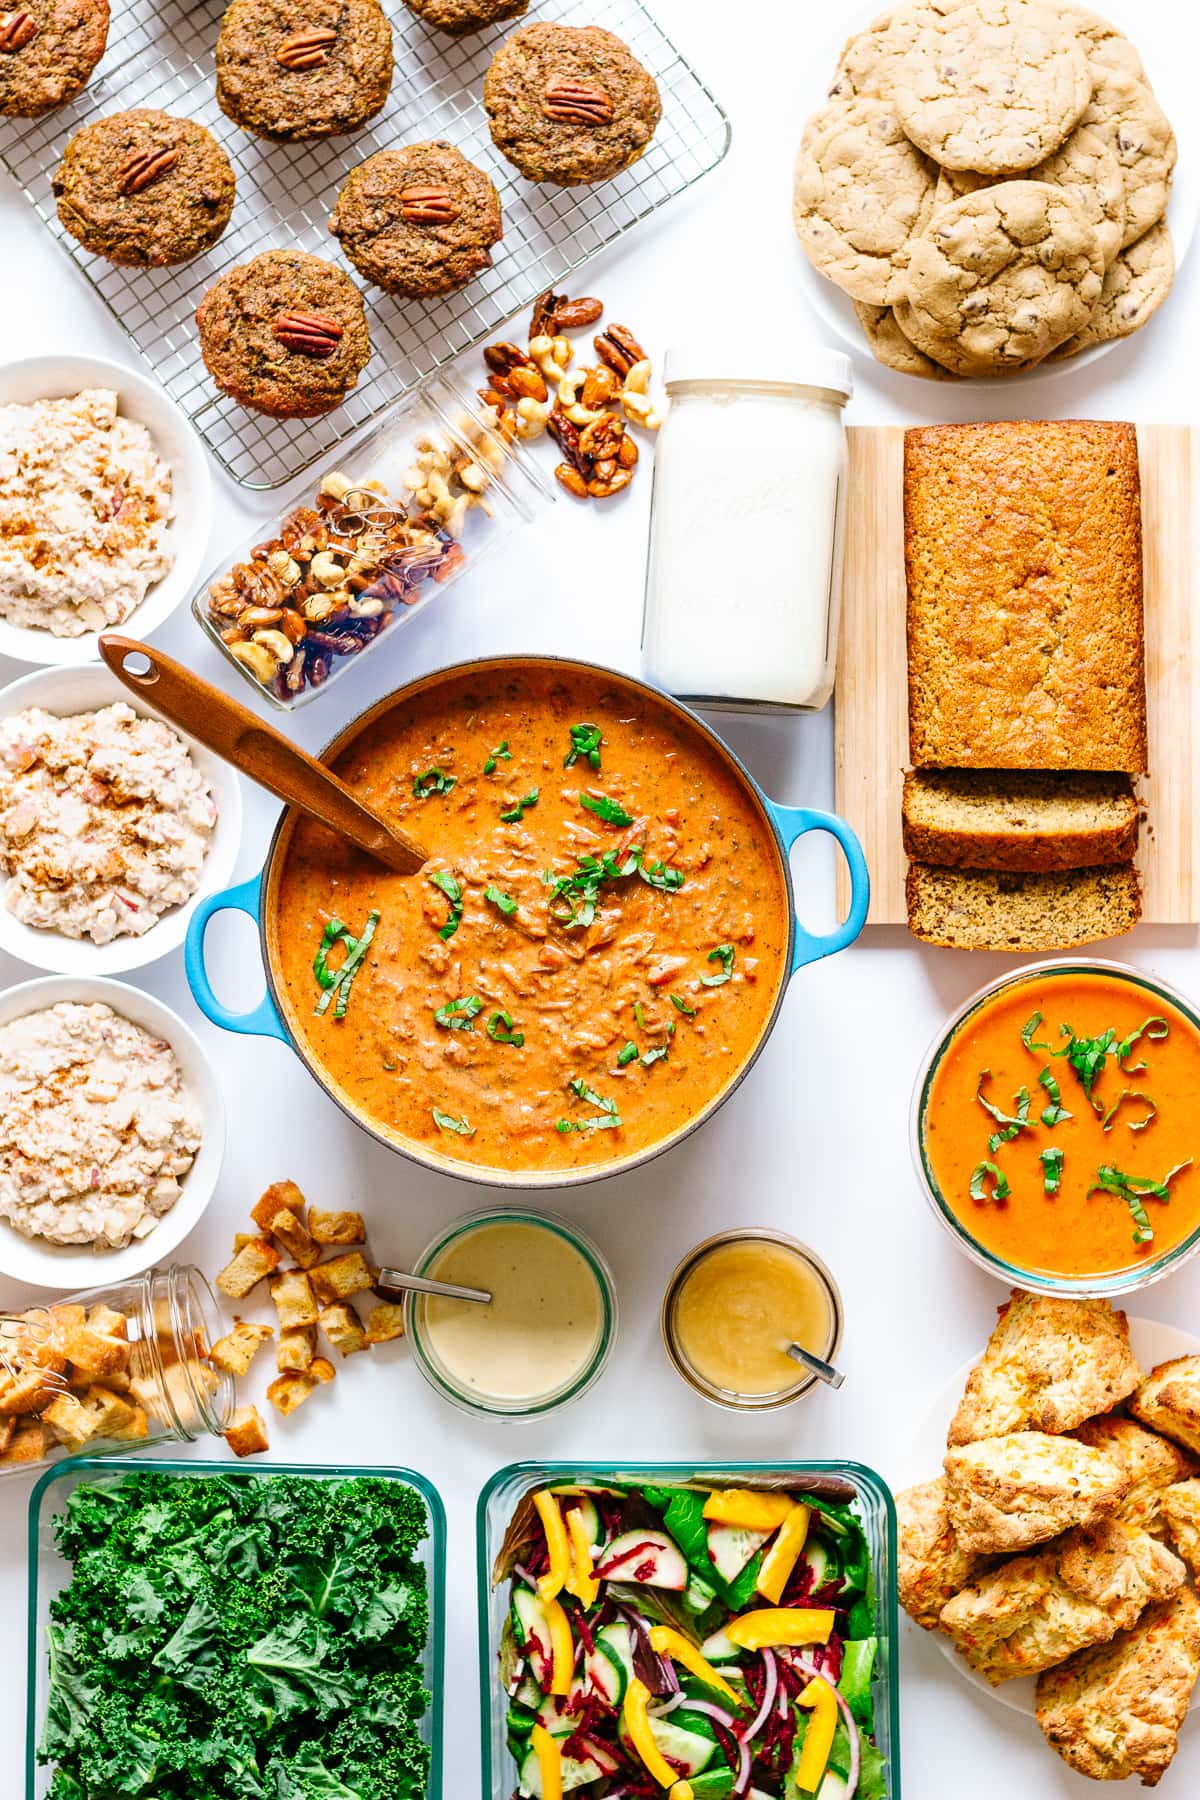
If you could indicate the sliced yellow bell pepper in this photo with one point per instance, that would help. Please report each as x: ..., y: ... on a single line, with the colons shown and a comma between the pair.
x: 742, y: 1506
x: 818, y: 1739
x: 549, y: 1758
x: 562, y: 1647
x: 773, y: 1625
x: 673, y: 1644
x: 583, y: 1583
x: 637, y: 1724
x: 781, y: 1558
x: 555, y: 1578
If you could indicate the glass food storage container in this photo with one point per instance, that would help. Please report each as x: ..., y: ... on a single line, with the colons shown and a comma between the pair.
x: 49, y: 1573
x: 743, y: 583
x: 113, y: 1370
x: 847, y: 1481
x: 359, y: 549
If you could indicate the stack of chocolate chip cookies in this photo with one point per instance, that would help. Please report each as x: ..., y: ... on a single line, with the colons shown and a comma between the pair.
x: 989, y: 182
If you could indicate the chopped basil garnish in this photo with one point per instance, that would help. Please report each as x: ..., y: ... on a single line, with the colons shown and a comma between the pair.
x: 1012, y: 1123
x: 574, y: 898
x: 1134, y: 1189
x: 639, y: 1015
x: 501, y: 753
x: 447, y: 1122
x: 433, y: 781
x: 337, y: 986
x: 585, y: 742
x: 724, y: 955
x: 628, y: 1054
x: 1055, y: 1113
x: 689, y: 1012
x: 335, y: 933
x: 610, y: 1120
x: 980, y: 1175
x: 506, y: 905
x: 655, y: 1055
x: 1110, y: 1117
x: 500, y: 1030
x: 1052, y: 1166
x: 659, y: 875
x: 1087, y: 1056
x: 456, y: 1015
x: 515, y: 813
x: 1154, y: 1029
x: 451, y: 887
x: 1027, y: 1037
x: 606, y: 809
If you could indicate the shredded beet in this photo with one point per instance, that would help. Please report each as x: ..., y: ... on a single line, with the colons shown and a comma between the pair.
x: 727, y: 1744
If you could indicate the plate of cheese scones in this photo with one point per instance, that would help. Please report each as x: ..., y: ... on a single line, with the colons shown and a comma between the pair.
x: 988, y: 184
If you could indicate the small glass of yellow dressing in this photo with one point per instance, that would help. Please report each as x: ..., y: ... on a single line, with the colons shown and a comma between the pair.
x: 733, y: 1305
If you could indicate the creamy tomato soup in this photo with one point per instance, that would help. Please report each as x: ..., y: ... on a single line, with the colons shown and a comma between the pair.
x: 592, y: 952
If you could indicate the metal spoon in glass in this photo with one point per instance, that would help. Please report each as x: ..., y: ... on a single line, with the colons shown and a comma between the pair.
x: 420, y: 1284
x: 822, y: 1370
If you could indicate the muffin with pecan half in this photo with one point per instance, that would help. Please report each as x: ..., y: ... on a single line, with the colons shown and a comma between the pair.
x: 48, y: 49
x: 294, y: 69
x: 144, y: 189
x: 569, y: 103
x: 419, y: 221
x: 286, y: 334
x: 459, y: 17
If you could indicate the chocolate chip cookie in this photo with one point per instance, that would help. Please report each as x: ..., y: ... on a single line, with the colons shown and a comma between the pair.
x: 48, y: 49
x: 1086, y: 168
x: 458, y: 17
x: 1124, y: 109
x: 890, y: 346
x: 870, y: 59
x: 296, y: 69
x: 569, y: 103
x: 144, y: 189
x: 1134, y: 288
x: 995, y: 86
x: 862, y: 191
x: 419, y: 221
x: 285, y: 334
x: 1001, y: 278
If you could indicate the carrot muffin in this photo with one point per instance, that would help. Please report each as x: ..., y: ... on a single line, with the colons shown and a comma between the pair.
x: 48, y: 49
x: 312, y: 70
x: 569, y: 104
x: 285, y: 334
x: 418, y: 221
x: 144, y: 189
x: 458, y: 17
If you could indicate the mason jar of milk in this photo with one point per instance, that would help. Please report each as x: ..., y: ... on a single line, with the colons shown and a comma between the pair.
x: 743, y: 584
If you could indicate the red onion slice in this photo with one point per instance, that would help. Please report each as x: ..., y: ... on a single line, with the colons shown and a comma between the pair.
x: 771, y: 1685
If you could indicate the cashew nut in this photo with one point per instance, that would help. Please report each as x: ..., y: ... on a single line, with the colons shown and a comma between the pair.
x: 641, y: 410
x: 545, y: 353
x: 257, y: 659
x: 531, y: 418
x: 285, y: 566
x: 638, y: 379
x: 279, y: 646
x: 364, y: 606
x: 326, y: 569
x: 335, y: 484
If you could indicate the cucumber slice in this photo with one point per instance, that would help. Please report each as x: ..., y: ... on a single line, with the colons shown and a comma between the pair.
x: 713, y: 1784
x: 609, y: 1667
x: 590, y: 1514
x: 574, y: 1774
x: 650, y: 1558
x: 532, y: 1633
x: 730, y: 1548
x: 698, y: 1596
x: 817, y: 1558
x: 833, y: 1787
x: 718, y: 1649
x: 555, y: 1711
x: 686, y: 1749
x: 528, y: 1694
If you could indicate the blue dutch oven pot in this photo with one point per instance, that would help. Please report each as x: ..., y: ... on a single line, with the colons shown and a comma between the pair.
x: 256, y: 898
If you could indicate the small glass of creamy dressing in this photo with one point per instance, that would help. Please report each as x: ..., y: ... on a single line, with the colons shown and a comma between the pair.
x: 548, y: 1331
x: 733, y: 1305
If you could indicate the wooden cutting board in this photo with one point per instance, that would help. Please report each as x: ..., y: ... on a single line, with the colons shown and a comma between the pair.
x: 871, y: 705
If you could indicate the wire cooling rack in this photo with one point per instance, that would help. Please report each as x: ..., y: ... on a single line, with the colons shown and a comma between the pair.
x: 160, y: 53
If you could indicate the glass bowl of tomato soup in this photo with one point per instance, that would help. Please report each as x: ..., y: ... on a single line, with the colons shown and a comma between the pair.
x: 1056, y: 1132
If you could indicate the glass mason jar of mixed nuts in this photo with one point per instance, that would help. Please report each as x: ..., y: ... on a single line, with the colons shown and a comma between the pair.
x: 112, y: 1370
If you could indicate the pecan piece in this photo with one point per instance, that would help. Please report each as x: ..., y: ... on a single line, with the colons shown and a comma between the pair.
x: 143, y: 167
x: 554, y: 313
x: 576, y: 103
x: 307, y: 49
x: 16, y: 30
x: 313, y: 334
x: 428, y: 205
x: 601, y: 439
x: 566, y: 436
x: 503, y: 358
x: 619, y: 349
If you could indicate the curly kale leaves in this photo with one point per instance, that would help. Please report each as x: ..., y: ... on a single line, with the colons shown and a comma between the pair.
x: 238, y: 1638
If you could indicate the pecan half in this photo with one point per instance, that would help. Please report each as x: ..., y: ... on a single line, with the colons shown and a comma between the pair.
x: 576, y: 103
x: 554, y: 313
x: 313, y: 334
x: 16, y: 30
x: 619, y: 349
x: 143, y: 167
x: 601, y: 439
x: 307, y: 49
x: 430, y: 205
x: 566, y: 436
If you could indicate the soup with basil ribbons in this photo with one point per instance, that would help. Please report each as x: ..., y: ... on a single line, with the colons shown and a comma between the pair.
x: 589, y: 957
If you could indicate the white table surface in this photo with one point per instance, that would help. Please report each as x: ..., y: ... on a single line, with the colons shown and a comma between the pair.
x: 816, y: 1140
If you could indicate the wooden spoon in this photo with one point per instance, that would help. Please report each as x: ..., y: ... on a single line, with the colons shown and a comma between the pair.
x: 239, y: 737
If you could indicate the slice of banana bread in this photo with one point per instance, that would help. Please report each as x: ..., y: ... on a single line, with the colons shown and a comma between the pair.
x: 988, y: 909
x: 1008, y: 819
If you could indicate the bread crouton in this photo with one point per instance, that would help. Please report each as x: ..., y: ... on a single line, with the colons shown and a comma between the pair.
x: 95, y: 1353
x: 336, y: 1227
x: 246, y: 1434
x: 385, y: 1322
x: 31, y: 1442
x: 29, y: 1392
x: 112, y: 1412
x: 65, y: 1314
x: 343, y: 1327
x: 322, y: 1370
x: 291, y: 1234
x: 296, y: 1349
x: 252, y: 1263
x: 108, y: 1321
x: 281, y: 1196
x: 237, y: 1349
x: 136, y: 1426
x: 287, y: 1392
x: 293, y: 1297
x: 7, y: 1428
x: 72, y: 1420
x: 342, y: 1276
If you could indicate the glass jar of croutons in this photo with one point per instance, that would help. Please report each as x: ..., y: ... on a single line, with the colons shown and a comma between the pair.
x: 111, y: 1371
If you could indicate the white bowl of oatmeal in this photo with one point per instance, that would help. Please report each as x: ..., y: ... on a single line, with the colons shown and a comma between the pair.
x: 112, y: 1131
x: 113, y: 824
x: 104, y: 506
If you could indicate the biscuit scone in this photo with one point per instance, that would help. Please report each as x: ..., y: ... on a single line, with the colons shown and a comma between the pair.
x: 1048, y: 1365
x: 931, y: 1564
x: 1036, y: 1610
x: 1007, y: 1493
x: 1115, y: 1712
x: 1179, y: 1510
x: 1169, y: 1400
x: 1152, y: 1463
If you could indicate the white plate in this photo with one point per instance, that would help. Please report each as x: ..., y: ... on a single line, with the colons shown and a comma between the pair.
x: 1153, y: 29
x: 84, y: 690
x: 1153, y: 1342
x: 74, y: 1266
x: 53, y: 377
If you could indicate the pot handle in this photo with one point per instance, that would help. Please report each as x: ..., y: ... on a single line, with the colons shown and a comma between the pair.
x: 792, y: 822
x: 262, y: 1020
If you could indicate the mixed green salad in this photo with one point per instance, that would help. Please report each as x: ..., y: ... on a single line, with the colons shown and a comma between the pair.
x: 698, y: 1643
x: 250, y: 1637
